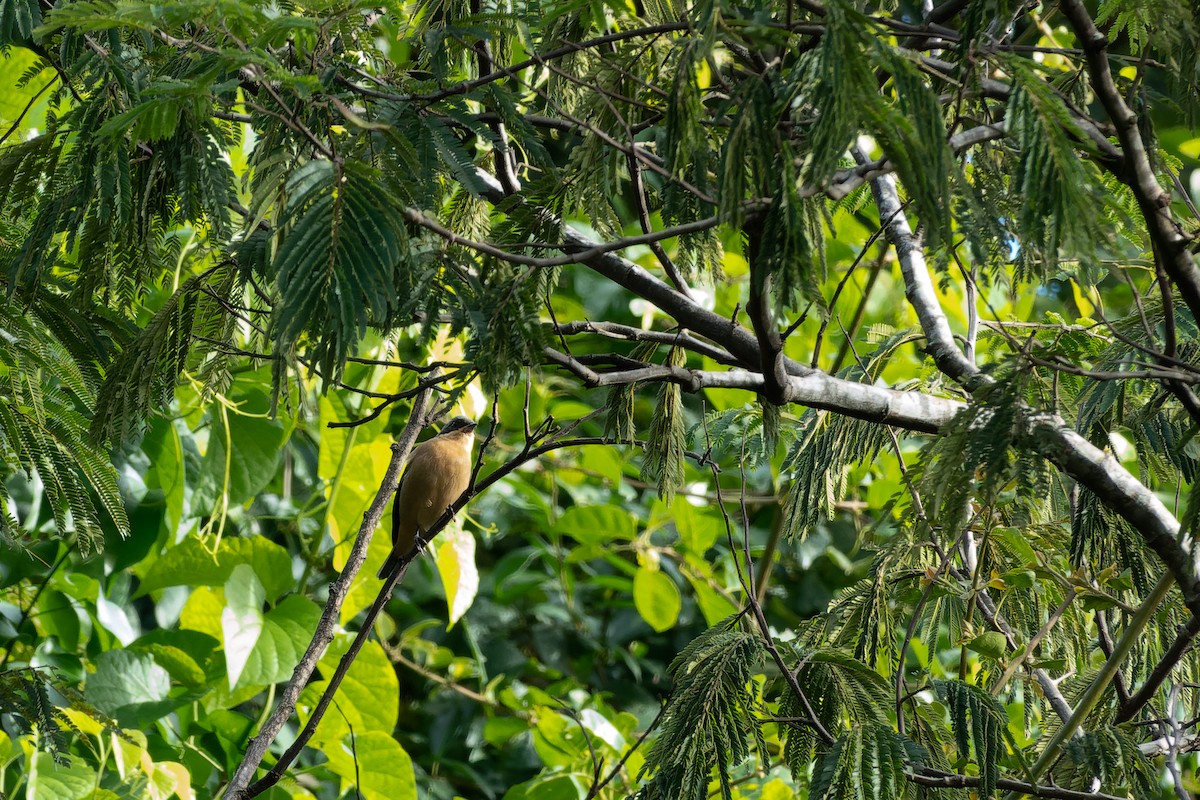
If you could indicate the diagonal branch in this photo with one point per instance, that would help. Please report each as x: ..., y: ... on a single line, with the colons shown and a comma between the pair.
x: 1041, y: 432
x: 338, y: 590
x: 1166, y: 234
x: 918, y: 287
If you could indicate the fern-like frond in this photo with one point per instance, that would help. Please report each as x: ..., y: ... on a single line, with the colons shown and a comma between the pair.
x: 664, y: 461
x: 978, y: 722
x: 710, y: 716
x: 867, y: 763
x: 827, y: 445
x: 190, y: 326
x: 337, y: 265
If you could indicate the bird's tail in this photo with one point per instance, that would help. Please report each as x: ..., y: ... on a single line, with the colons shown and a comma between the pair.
x: 390, y: 565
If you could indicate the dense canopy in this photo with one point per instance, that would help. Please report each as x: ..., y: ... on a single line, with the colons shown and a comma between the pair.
x: 835, y: 364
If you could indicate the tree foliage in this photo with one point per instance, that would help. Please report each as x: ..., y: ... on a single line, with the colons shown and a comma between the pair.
x: 836, y: 364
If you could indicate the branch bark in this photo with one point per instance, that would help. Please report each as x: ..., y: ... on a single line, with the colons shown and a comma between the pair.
x: 1167, y: 235
x: 338, y: 590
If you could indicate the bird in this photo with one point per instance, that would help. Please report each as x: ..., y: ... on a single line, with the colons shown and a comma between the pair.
x: 438, y: 472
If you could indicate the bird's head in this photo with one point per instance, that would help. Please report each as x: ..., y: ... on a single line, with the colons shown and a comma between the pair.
x: 459, y: 425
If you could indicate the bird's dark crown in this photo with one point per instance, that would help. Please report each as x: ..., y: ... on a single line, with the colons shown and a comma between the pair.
x: 459, y: 423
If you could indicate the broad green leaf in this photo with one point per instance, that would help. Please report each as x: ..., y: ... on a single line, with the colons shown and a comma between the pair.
x: 991, y: 644
x: 551, y: 787
x: 163, y: 447
x: 557, y: 738
x: 597, y: 524
x: 600, y: 728
x: 241, y: 619
x: 286, y: 632
x: 350, y: 495
x: 127, y: 684
x: 375, y: 764
x: 367, y: 700
x: 657, y: 598
x: 171, y: 776
x: 454, y: 551
x: 242, y: 457
x: 713, y: 605
x: 50, y: 781
x: 190, y: 563
x: 181, y: 666
x: 15, y: 62
x: 182, y: 651
x: 114, y: 620
x: 605, y: 461
x: 698, y: 530
x: 202, y: 612
x: 128, y: 750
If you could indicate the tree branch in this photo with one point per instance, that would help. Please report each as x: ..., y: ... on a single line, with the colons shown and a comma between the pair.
x: 1167, y: 235
x: 949, y: 780
x: 326, y: 626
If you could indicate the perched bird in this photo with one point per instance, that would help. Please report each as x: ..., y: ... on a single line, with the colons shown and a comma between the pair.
x: 438, y: 472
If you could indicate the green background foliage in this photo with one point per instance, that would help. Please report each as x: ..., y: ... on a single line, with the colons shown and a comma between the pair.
x: 237, y: 239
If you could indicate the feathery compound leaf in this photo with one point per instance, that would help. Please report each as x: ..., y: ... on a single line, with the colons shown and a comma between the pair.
x: 709, y: 717
x: 142, y: 378
x: 792, y: 245
x: 838, y: 87
x: 913, y: 136
x: 837, y: 686
x: 500, y: 312
x: 337, y: 265
x: 749, y: 433
x: 826, y: 446
x: 1110, y: 756
x: 45, y: 399
x: 974, y: 458
x: 978, y: 720
x: 663, y: 463
x: 620, y: 404
x: 18, y: 18
x: 867, y: 763
x: 1099, y: 538
x: 1060, y: 196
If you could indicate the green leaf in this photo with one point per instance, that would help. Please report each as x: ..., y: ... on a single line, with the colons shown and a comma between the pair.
x: 557, y: 739
x: 164, y: 448
x: 368, y: 698
x: 190, y: 563
x: 241, y: 619
x: 664, y: 460
x: 51, y: 781
x: 698, y: 530
x: 597, y: 525
x: 243, y: 456
x: 991, y: 644
x: 977, y: 720
x: 713, y: 605
x: 657, y: 598
x: 286, y: 632
x: 551, y: 787
x: 127, y: 685
x: 375, y: 764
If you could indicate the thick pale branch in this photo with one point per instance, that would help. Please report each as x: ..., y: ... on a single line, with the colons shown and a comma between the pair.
x: 1045, y: 433
x: 918, y: 286
x: 691, y: 379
